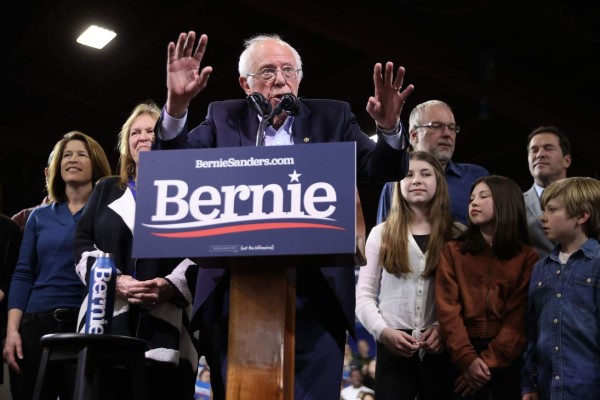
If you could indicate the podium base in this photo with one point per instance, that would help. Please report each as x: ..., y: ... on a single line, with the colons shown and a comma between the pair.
x: 261, y: 330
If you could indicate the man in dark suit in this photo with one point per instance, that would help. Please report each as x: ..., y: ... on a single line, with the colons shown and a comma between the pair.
x: 549, y: 157
x: 325, y: 297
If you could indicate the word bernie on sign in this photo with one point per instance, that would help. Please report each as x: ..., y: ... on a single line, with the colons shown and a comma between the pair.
x: 246, y: 201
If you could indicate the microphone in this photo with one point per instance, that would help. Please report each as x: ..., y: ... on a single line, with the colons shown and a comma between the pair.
x: 260, y: 104
x: 288, y: 103
x: 262, y: 107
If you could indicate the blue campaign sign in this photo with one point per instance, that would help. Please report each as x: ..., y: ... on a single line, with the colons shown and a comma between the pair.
x: 246, y: 201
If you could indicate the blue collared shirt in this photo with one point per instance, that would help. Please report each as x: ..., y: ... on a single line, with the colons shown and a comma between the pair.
x: 459, y: 177
x: 562, y: 359
x: 281, y: 136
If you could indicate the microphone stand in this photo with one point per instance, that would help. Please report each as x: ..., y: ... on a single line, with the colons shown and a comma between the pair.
x: 260, y: 134
x: 288, y: 103
x: 263, y: 108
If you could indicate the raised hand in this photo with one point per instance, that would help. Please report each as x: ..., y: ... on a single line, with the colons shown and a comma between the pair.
x: 184, y: 77
x: 386, y: 104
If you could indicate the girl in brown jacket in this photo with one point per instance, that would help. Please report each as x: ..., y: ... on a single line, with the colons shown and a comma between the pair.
x: 481, y: 292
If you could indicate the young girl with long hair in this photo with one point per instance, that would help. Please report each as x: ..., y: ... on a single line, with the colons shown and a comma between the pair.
x: 481, y: 292
x: 395, y: 293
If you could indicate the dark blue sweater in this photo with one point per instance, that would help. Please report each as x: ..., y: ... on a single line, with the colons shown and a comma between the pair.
x: 44, y: 278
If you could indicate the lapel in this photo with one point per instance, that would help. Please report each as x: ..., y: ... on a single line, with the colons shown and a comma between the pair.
x: 247, y: 127
x: 532, y: 201
x: 124, y: 206
x: 303, y: 126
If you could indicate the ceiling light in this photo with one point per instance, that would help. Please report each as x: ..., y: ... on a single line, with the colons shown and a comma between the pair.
x: 96, y: 37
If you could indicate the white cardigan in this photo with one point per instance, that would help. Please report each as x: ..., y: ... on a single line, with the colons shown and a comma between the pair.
x: 399, y: 302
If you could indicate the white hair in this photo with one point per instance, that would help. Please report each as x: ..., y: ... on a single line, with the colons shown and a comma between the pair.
x: 248, y: 57
x: 417, y: 113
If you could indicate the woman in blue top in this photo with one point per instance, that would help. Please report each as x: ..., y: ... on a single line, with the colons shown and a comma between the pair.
x: 45, y: 292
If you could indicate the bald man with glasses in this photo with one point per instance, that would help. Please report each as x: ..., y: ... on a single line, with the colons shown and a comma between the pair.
x: 432, y: 128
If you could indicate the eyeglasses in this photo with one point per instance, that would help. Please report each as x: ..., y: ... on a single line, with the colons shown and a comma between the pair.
x: 268, y: 74
x: 438, y: 126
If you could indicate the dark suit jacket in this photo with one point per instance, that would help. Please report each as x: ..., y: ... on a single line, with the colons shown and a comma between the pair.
x: 233, y: 123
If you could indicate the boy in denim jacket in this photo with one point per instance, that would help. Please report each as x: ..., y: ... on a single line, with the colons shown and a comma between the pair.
x: 562, y: 359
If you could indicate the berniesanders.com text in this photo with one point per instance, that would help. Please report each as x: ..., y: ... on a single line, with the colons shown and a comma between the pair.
x: 248, y: 162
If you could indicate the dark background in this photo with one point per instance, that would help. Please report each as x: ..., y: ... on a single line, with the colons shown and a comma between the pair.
x: 504, y: 66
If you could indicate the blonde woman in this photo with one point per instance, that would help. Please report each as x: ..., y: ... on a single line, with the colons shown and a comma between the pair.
x: 153, y: 299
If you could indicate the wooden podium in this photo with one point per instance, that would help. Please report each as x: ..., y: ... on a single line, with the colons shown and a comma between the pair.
x: 261, y: 209
x: 262, y: 314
